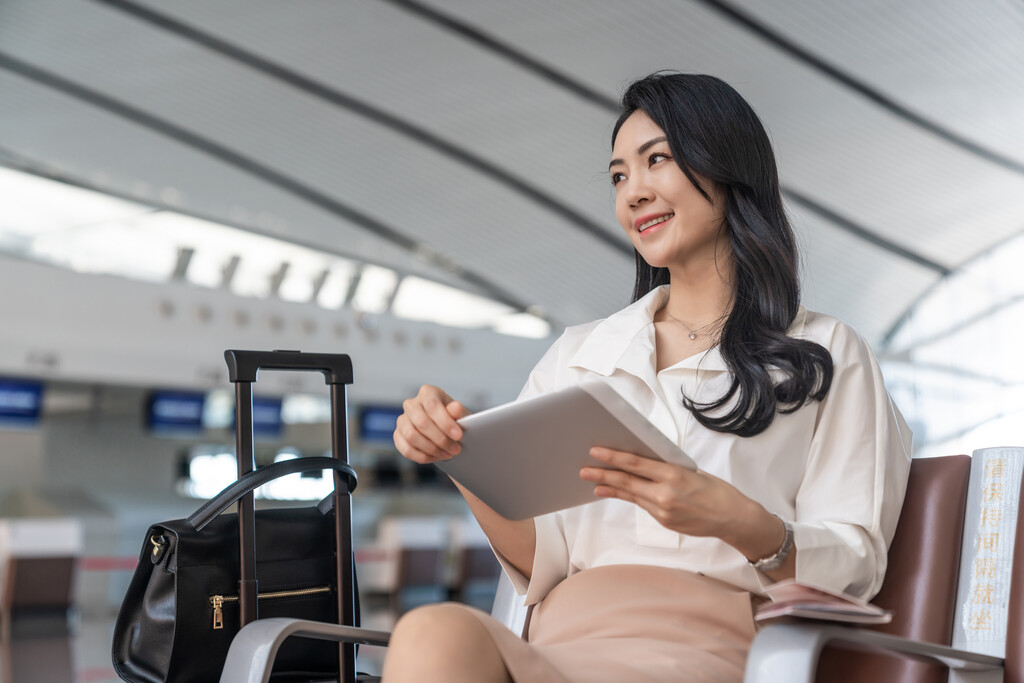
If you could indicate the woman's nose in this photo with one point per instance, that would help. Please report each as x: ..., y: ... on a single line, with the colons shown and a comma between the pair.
x: 638, y: 192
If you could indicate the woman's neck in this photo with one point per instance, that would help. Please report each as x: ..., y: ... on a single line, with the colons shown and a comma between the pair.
x: 698, y: 298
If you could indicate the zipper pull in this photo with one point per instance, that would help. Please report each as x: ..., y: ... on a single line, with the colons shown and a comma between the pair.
x: 218, y: 614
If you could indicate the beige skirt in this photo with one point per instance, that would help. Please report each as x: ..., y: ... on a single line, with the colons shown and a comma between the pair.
x: 631, y: 623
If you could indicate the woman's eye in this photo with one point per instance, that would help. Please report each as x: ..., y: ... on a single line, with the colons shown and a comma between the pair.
x: 655, y: 158
x: 617, y: 178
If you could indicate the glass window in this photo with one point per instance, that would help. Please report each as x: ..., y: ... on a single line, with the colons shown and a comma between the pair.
x: 954, y: 364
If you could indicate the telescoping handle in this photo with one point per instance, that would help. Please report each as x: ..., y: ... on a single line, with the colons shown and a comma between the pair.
x: 243, y: 366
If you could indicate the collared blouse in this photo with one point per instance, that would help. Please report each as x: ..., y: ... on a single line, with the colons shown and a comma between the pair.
x: 836, y: 468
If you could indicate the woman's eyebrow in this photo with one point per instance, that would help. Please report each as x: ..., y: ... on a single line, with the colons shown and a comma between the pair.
x: 650, y: 143
x: 641, y: 149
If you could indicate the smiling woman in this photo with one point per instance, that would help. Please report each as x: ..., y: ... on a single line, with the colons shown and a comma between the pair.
x: 802, y: 458
x: 732, y: 256
x: 672, y: 221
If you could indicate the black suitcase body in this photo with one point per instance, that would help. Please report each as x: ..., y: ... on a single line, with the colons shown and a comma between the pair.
x: 199, y: 582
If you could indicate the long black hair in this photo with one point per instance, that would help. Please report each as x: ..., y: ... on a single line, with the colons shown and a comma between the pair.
x: 713, y: 132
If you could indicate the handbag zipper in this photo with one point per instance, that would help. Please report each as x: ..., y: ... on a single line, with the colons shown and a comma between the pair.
x: 218, y: 601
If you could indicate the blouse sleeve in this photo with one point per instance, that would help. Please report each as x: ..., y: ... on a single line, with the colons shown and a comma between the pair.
x: 855, y: 479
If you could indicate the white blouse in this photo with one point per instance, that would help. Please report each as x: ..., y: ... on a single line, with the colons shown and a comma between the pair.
x: 836, y: 468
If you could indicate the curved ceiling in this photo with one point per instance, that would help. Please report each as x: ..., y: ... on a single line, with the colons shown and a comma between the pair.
x: 466, y: 141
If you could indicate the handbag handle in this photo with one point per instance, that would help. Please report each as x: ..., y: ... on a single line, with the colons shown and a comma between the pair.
x: 253, y: 480
x: 243, y: 366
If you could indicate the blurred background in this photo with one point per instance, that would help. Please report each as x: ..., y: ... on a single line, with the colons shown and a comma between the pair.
x: 422, y: 185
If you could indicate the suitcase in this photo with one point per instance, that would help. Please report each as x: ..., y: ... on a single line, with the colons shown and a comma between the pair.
x: 197, y: 577
x: 243, y: 368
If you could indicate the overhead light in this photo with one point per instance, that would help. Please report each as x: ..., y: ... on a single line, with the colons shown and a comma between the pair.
x: 420, y: 299
x: 334, y: 290
x: 375, y: 289
x: 523, y: 325
x: 90, y: 232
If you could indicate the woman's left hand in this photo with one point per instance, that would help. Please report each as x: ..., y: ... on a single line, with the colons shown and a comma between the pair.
x: 686, y: 501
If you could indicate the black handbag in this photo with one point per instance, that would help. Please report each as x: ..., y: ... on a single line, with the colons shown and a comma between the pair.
x: 197, y: 582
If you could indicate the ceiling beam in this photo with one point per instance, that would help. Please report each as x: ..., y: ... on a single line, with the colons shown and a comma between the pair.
x: 375, y: 115
x: 736, y: 15
x: 508, y: 52
x: 541, y: 70
x: 863, y: 233
x: 252, y: 167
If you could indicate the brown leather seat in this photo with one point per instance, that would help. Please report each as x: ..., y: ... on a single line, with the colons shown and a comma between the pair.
x: 421, y: 568
x: 921, y: 579
x: 39, y: 583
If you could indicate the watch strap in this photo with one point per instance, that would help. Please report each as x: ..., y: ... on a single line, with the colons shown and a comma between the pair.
x: 779, y: 557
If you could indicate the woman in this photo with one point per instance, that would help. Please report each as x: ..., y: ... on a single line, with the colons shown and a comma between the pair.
x: 802, y: 459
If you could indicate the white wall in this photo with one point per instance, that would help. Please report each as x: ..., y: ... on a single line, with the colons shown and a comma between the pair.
x: 62, y: 325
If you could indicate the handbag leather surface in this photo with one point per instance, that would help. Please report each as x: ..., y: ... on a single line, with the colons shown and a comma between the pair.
x: 181, y: 609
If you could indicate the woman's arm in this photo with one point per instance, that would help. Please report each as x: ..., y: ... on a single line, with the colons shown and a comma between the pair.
x: 515, y: 540
x: 426, y: 432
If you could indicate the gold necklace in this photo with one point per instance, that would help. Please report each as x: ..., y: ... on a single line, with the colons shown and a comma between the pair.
x: 694, y: 331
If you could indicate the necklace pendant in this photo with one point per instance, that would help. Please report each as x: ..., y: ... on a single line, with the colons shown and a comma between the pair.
x: 693, y: 335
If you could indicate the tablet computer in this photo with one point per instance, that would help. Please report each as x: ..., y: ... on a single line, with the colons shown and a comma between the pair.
x: 523, y: 459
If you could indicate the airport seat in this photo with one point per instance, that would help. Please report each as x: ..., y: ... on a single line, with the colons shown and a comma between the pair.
x: 475, y: 569
x: 416, y: 573
x: 476, y: 575
x: 38, y: 564
x: 920, y: 588
x: 421, y: 578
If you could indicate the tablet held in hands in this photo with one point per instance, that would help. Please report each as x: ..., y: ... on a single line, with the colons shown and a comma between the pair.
x: 523, y: 459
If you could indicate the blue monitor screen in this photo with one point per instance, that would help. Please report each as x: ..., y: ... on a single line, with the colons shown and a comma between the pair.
x: 377, y: 423
x: 21, y: 402
x: 175, y: 412
x: 266, y: 417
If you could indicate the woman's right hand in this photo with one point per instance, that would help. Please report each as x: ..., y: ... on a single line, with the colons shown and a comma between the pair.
x: 427, y: 430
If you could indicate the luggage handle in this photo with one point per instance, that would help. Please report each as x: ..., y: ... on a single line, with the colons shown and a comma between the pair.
x: 243, y: 366
x: 253, y: 480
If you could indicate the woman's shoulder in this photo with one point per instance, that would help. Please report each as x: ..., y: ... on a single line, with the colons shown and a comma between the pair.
x: 839, y: 337
x: 574, y: 336
x: 622, y: 324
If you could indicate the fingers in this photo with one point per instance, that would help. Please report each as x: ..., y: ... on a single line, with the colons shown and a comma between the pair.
x: 651, y: 484
x: 426, y: 431
x: 610, y: 483
x: 647, y: 468
x: 457, y: 410
x: 419, y: 455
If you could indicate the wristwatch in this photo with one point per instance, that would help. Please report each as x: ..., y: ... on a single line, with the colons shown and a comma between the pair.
x: 778, y: 558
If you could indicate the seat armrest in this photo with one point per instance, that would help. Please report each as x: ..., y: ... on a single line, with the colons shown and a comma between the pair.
x: 253, y: 649
x: 788, y: 653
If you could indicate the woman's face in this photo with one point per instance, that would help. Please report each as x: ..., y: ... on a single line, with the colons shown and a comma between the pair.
x: 668, y: 220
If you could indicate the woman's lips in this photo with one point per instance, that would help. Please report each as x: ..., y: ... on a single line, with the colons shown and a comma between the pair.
x: 651, y: 221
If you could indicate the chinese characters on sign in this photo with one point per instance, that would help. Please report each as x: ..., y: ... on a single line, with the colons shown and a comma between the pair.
x: 989, y: 533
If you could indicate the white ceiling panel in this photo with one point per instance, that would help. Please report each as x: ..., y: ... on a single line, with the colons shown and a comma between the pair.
x: 59, y: 136
x: 857, y: 158
x: 857, y: 282
x: 954, y: 62
x: 483, y: 137
x: 471, y: 97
